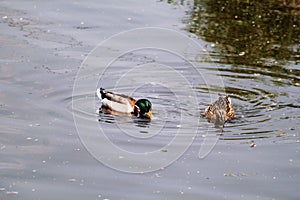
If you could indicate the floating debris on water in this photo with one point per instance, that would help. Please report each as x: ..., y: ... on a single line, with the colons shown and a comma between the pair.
x: 242, y: 53
x: 71, y: 180
x: 34, y: 125
x: 252, y: 144
x: 235, y: 175
x: 228, y: 174
x: 279, y: 133
x: 12, y: 192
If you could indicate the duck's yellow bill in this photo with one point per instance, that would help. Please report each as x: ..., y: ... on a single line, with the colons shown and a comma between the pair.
x: 148, y: 115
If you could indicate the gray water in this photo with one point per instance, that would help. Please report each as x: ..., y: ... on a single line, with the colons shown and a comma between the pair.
x: 44, y: 44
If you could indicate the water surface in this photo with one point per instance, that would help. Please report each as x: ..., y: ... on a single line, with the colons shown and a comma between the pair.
x: 255, y: 47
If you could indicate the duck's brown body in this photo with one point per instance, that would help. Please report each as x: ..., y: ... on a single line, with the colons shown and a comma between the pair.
x: 220, y: 111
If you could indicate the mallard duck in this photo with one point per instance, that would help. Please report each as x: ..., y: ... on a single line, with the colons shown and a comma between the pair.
x: 122, y: 104
x: 220, y: 111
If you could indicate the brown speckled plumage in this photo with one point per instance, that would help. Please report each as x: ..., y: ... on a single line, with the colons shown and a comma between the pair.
x: 220, y: 111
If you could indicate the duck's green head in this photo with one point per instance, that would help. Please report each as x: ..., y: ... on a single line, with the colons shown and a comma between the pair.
x: 143, y: 108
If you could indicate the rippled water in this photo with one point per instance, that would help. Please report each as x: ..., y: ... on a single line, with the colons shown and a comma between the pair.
x: 252, y: 47
x: 257, y: 59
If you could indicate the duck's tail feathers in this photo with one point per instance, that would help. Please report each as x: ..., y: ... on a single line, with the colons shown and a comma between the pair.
x: 99, y: 93
x: 102, y: 94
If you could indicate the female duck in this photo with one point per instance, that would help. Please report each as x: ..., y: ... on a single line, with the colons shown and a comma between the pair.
x: 220, y: 111
x: 122, y: 104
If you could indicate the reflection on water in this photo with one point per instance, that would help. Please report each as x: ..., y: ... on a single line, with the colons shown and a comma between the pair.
x: 256, y: 46
x: 248, y: 32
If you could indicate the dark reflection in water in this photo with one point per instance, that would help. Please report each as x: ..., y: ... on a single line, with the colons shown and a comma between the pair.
x: 144, y: 123
x: 252, y: 37
x: 111, y: 119
x: 256, y: 46
x: 248, y: 32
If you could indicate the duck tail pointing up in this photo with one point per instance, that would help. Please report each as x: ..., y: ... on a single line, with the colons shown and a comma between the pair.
x: 99, y: 92
x: 102, y: 94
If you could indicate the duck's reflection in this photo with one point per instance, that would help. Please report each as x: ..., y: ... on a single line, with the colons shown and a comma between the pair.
x: 143, y: 123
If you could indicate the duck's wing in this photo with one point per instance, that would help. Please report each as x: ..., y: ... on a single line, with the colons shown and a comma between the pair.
x: 229, y: 109
x: 217, y: 109
x: 118, y: 107
x: 230, y: 112
x: 116, y: 102
x: 208, y: 112
x: 120, y: 98
x: 222, y: 105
